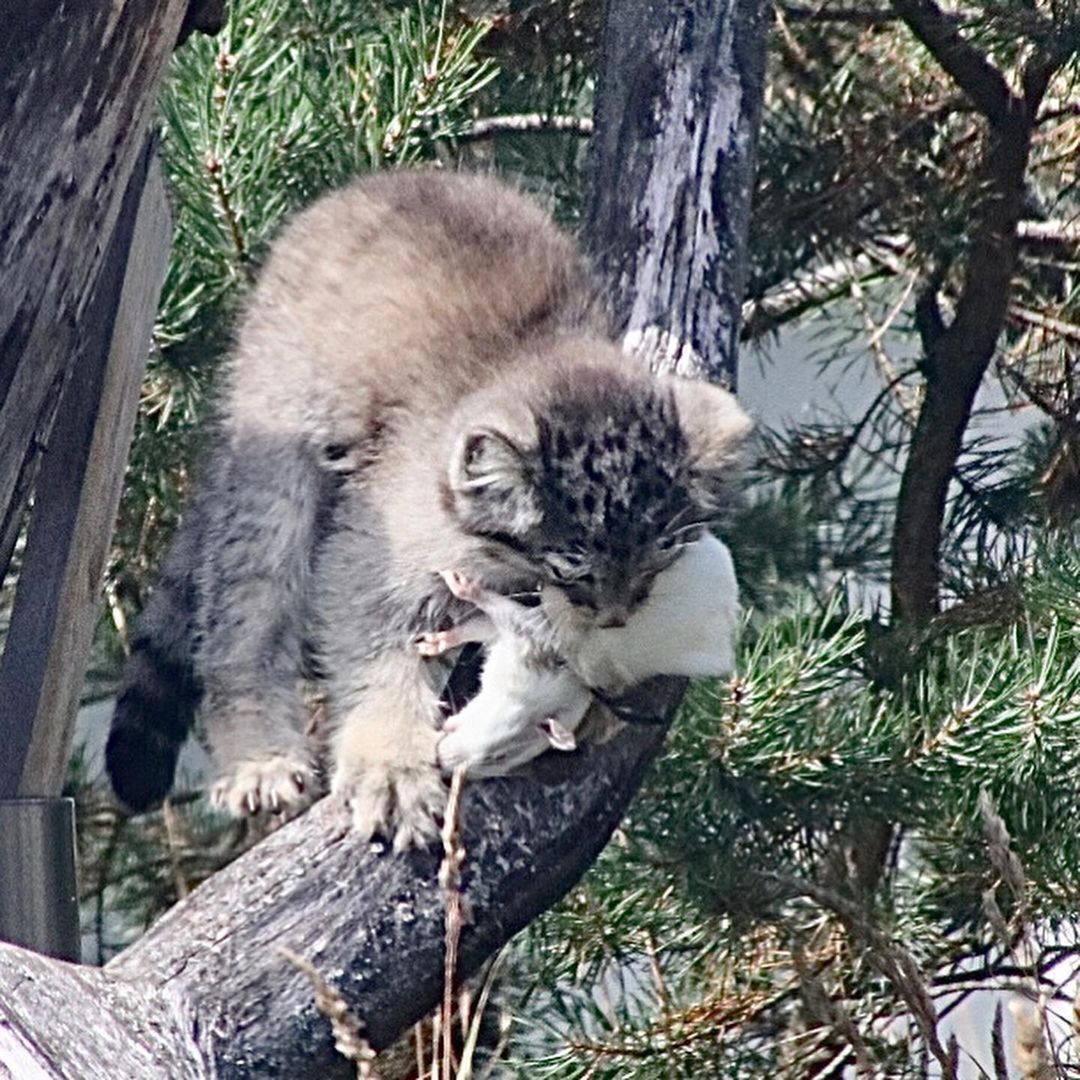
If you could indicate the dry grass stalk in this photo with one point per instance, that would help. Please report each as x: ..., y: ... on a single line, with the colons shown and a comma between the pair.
x: 437, y: 1049
x: 1076, y: 1021
x: 174, y: 843
x: 1032, y: 1054
x: 997, y: 1044
x: 471, y: 1018
x: 421, y: 1049
x: 829, y: 1013
x: 450, y: 883
x: 1013, y: 934
x: 996, y: 918
x: 887, y: 955
x: 349, y: 1040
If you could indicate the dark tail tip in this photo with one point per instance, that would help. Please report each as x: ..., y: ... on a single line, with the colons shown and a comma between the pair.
x: 152, y: 718
x: 141, y: 766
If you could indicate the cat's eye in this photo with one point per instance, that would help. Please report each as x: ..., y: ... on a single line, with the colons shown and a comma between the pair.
x: 579, y: 595
x: 559, y: 568
x: 563, y: 570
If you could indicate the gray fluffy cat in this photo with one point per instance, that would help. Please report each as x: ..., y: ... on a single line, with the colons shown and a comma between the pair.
x: 422, y: 379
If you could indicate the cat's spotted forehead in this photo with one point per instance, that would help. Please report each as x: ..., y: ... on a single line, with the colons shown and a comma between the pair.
x: 614, y: 475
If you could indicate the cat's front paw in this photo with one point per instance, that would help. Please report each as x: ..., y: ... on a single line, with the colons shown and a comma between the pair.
x: 402, y: 802
x: 282, y: 784
x: 390, y: 782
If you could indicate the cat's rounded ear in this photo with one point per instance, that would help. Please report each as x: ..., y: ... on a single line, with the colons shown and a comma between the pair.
x: 492, y: 485
x: 716, y: 430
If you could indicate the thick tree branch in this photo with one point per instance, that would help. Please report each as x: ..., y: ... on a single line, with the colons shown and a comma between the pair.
x: 958, y: 356
x: 929, y: 322
x: 202, y: 16
x: 209, y: 985
x: 955, y: 367
x: 968, y: 67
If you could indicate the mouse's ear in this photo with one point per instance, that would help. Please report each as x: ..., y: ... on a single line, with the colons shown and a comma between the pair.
x: 560, y: 738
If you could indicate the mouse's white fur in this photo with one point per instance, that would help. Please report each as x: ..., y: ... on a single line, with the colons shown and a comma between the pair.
x: 531, y: 699
x: 520, y: 711
x: 686, y: 626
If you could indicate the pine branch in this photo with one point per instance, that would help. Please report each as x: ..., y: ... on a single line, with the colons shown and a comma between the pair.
x: 857, y: 16
x: 983, y: 83
x: 1054, y: 233
x: 883, y: 257
x: 1067, y: 330
x: 812, y: 289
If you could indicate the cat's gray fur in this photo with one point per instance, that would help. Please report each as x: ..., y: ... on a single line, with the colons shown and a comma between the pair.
x: 422, y: 379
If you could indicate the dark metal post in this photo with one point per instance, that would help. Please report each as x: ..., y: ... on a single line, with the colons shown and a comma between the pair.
x: 39, y: 903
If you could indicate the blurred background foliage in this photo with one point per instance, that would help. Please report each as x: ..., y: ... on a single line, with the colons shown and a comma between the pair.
x: 857, y: 845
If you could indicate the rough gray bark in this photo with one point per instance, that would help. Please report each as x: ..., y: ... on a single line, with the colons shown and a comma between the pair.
x: 677, y: 115
x: 206, y: 992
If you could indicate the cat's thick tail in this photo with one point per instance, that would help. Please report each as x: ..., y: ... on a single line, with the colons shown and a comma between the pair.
x: 160, y: 690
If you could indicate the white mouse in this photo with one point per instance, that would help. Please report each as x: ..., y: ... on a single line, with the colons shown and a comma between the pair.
x: 542, y: 664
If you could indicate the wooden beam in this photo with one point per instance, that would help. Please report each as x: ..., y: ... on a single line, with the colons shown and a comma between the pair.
x: 77, y: 494
x: 78, y: 89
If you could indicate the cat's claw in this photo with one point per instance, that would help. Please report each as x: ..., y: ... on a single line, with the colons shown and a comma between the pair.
x: 282, y: 784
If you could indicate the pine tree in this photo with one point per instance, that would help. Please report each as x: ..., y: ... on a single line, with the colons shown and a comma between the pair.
x: 871, y: 822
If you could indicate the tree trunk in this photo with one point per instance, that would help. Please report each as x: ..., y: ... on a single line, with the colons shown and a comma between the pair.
x: 957, y: 356
x: 206, y: 991
x: 677, y: 116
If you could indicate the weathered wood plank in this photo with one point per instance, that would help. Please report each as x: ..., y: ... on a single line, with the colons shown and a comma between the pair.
x: 78, y: 86
x: 77, y: 494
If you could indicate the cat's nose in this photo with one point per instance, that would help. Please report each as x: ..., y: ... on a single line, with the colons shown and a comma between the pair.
x: 609, y: 620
